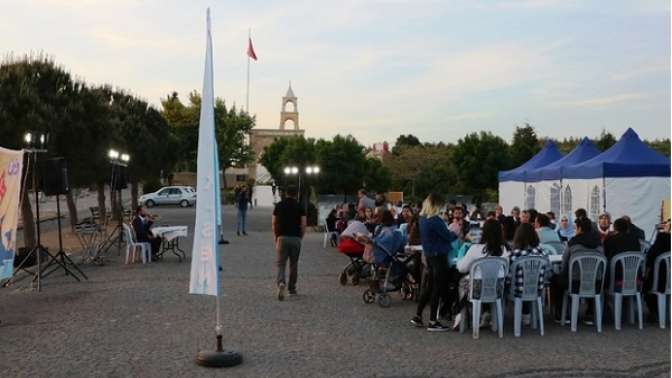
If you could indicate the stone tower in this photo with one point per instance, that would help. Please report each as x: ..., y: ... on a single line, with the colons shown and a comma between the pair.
x: 292, y: 114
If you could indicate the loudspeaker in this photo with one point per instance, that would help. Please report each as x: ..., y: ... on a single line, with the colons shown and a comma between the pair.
x: 55, y: 177
x: 119, y: 178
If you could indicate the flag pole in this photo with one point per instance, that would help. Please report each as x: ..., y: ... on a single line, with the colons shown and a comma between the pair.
x: 247, y: 97
x: 205, y: 261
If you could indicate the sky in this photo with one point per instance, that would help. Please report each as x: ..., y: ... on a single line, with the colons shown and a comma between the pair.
x: 376, y: 69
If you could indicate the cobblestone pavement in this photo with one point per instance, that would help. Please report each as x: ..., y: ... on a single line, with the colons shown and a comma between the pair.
x: 135, y: 320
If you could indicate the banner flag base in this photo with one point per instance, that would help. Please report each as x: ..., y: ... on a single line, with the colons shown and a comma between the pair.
x: 219, y: 357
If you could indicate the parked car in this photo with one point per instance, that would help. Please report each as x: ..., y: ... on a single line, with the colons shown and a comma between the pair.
x: 170, y: 195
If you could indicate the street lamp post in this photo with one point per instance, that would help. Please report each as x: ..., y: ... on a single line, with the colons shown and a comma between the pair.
x: 309, y: 171
x: 119, y: 161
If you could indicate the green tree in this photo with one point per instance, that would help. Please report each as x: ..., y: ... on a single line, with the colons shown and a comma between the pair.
x: 35, y: 95
x: 605, y: 140
x: 660, y: 145
x: 404, y: 141
x: 478, y: 159
x: 419, y: 170
x: 231, y: 127
x: 343, y: 164
x: 525, y: 145
x: 377, y: 177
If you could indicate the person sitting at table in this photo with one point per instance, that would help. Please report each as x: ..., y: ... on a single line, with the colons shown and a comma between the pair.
x: 525, y: 243
x: 544, y: 231
x: 661, y: 245
x: 565, y: 230
x: 604, y: 225
x: 459, y: 226
x: 584, y: 239
x: 142, y: 223
x: 492, y: 244
x: 508, y: 229
x: 404, y: 219
x: 347, y: 242
x: 620, y: 240
x: 633, y: 229
x: 551, y: 217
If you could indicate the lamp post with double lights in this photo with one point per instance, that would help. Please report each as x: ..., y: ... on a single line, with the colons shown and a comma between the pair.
x: 119, y: 161
x: 307, y: 170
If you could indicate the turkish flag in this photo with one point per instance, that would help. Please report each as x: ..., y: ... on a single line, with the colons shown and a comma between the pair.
x: 250, y: 50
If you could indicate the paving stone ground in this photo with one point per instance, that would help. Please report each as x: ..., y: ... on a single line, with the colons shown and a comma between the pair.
x: 139, y: 321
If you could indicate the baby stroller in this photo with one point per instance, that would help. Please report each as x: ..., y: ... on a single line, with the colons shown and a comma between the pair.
x: 357, y: 268
x: 392, y: 272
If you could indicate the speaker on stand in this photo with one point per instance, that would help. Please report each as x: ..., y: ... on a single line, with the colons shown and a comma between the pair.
x: 55, y: 182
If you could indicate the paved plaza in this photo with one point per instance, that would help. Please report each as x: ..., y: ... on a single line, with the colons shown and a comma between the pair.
x: 135, y: 320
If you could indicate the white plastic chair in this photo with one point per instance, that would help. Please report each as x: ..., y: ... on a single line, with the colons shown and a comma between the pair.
x: 132, y: 247
x: 487, y: 277
x: 663, y: 258
x: 553, y: 248
x: 328, y: 234
x: 631, y: 265
x: 532, y: 267
x: 591, y: 270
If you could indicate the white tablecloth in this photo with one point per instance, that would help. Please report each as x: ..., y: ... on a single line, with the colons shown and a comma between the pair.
x: 170, y: 232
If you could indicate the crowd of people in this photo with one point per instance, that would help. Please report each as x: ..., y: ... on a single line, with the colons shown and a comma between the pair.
x: 450, y: 239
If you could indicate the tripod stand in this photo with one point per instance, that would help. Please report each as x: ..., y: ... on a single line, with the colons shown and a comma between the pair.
x: 65, y: 260
x: 117, y: 183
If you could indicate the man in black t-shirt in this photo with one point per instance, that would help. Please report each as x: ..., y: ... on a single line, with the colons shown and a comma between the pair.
x: 289, y: 226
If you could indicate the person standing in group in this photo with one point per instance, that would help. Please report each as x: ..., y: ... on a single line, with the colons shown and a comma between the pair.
x: 289, y: 226
x: 364, y: 201
x: 241, y: 205
x: 436, y: 243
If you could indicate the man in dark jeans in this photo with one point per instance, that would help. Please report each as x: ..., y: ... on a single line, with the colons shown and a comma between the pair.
x: 289, y: 226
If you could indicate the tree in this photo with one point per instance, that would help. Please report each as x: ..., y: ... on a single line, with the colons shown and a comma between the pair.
x: 283, y: 152
x: 404, y: 141
x: 419, y: 170
x: 525, y: 145
x: 605, y: 140
x: 377, y: 177
x: 660, y: 145
x: 343, y: 164
x: 231, y: 127
x: 478, y: 159
x: 34, y: 96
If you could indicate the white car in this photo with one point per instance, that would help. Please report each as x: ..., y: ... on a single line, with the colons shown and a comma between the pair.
x: 170, y: 195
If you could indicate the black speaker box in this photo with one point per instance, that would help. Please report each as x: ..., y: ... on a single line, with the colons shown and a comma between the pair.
x: 55, y: 177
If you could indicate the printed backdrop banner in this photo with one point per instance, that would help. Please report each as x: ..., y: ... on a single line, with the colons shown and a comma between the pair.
x: 11, y: 165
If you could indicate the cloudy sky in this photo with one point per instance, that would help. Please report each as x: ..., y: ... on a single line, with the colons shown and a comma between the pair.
x: 378, y: 68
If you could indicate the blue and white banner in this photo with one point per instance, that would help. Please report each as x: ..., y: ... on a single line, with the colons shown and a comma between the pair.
x: 11, y: 166
x: 204, y: 257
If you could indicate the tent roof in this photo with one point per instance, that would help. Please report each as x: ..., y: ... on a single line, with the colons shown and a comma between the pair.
x: 546, y: 156
x: 583, y: 151
x: 629, y: 157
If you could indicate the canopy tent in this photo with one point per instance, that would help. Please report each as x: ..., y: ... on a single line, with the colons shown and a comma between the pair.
x: 629, y: 178
x: 547, y: 181
x: 512, y: 190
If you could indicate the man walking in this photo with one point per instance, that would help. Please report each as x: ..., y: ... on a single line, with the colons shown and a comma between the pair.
x: 289, y: 226
x: 241, y: 206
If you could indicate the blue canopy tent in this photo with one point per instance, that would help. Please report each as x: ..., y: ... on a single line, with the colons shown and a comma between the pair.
x: 547, y: 180
x: 512, y: 188
x: 630, y: 178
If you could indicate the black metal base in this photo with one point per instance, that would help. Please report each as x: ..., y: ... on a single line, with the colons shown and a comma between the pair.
x: 219, y: 357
